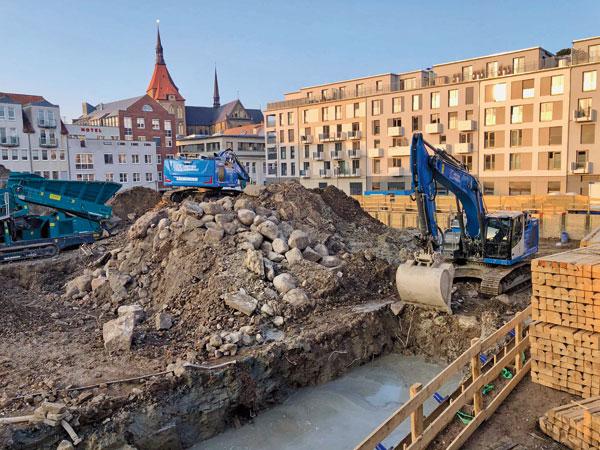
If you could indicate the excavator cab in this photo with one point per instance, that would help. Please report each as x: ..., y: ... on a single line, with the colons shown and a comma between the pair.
x: 510, y: 237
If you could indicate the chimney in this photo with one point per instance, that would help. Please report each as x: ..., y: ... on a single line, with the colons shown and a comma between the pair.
x: 87, y: 108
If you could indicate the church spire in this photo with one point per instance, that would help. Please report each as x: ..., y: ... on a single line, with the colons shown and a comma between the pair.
x: 216, y: 98
x: 159, y: 50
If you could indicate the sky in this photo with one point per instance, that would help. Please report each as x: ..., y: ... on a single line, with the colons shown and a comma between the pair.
x: 99, y: 51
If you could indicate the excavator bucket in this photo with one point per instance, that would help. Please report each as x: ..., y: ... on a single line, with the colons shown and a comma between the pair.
x: 426, y: 285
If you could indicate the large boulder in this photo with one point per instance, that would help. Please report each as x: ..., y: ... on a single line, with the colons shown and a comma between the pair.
x: 294, y: 256
x: 296, y: 297
x: 254, y: 190
x: 254, y: 262
x: 212, y: 208
x: 256, y: 239
x: 246, y: 216
x: 214, y: 234
x: 321, y: 250
x: 192, y: 208
x: 118, y: 333
x: 139, y: 229
x: 311, y: 255
x: 284, y: 282
x: 299, y: 239
x: 136, y: 310
x: 280, y: 246
x: 80, y: 284
x: 241, y: 302
x: 268, y: 229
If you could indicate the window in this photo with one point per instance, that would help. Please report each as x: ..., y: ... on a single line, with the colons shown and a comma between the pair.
x: 108, y: 158
x: 356, y: 109
x: 435, y: 100
x: 465, y: 138
x: 282, y: 153
x: 416, y: 102
x: 492, y: 69
x: 589, y: 81
x: 44, y: 155
x: 553, y: 187
x: 158, y: 159
x: 519, y: 188
x: 136, y: 177
x: 490, y: 116
x: 109, y: 176
x: 453, y: 97
x: 515, y: 161
x: 410, y: 83
x: 290, y: 135
x: 135, y: 158
x: 553, y: 160
x: 397, y: 104
x: 489, y: 139
x: 24, y: 155
x: 84, y: 161
x: 283, y: 169
x: 516, y: 138
x: 85, y: 177
x: 452, y: 120
x: 160, y: 176
x: 271, y: 121
x: 376, y: 166
x: 325, y: 113
x: 123, y: 177
x: 467, y: 73
x: 527, y: 89
x: 594, y: 53
x: 128, y: 132
x: 307, y: 151
x: 379, y: 85
x: 489, y: 162
x: 499, y: 92
x: 14, y: 153
x: 360, y: 88
x: 355, y: 188
x: 546, y: 111
x: 584, y: 107
x: 519, y: 64
x: 293, y: 151
x: 516, y: 114
x: 376, y: 127
x: 581, y: 159
x: 122, y: 158
x: 337, y: 112
x: 290, y: 118
x: 140, y: 122
x: 156, y: 140
x: 557, y: 85
x: 376, y: 107
x: 467, y: 160
x: 555, y: 135
x: 147, y: 159
x: 155, y: 124
x: 416, y: 123
x: 434, y: 118
x: 588, y: 132
x: 147, y: 108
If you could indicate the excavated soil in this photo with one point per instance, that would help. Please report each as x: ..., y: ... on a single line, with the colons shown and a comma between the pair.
x: 136, y: 201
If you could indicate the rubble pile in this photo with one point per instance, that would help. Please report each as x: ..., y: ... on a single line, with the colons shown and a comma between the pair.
x: 129, y: 204
x: 213, y: 276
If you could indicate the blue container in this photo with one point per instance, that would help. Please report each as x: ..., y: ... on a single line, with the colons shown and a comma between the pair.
x: 564, y: 237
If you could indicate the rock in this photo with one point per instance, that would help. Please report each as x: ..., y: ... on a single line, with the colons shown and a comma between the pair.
x: 207, y: 219
x: 243, y: 246
x: 243, y: 203
x: 234, y: 337
x: 294, y: 255
x: 139, y: 229
x: 256, y: 239
x: 192, y: 208
x: 191, y: 223
x: 136, y: 310
x: 267, y: 309
x: 285, y: 229
x: 246, y: 216
x: 467, y: 322
x: 117, y: 333
x: 268, y: 229
x: 311, y: 255
x: 278, y: 321
x: 163, y: 321
x: 270, y: 268
x: 241, y: 302
x: 229, y: 349
x: 214, y: 234
x: 253, y: 190
x: 330, y: 261
x: 224, y: 218
x: 65, y: 445
x: 226, y: 203
x: 506, y: 299
x: 298, y: 239
x: 230, y: 227
x: 80, y: 284
x: 258, y: 220
x: 247, y: 339
x: 215, y: 340
x: 163, y: 223
x: 254, y: 262
x: 280, y: 246
x: 212, y: 208
x: 266, y: 247
x: 397, y: 307
x: 275, y: 257
x: 284, y: 282
x: 98, y: 282
x: 296, y: 297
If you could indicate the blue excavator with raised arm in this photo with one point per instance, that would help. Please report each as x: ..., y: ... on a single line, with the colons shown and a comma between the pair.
x: 494, y: 248
x: 74, y: 213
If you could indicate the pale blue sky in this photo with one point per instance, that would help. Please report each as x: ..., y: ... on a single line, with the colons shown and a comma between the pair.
x: 71, y: 51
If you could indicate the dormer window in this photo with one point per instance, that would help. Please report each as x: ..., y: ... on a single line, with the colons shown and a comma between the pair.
x: 147, y: 108
x: 171, y: 97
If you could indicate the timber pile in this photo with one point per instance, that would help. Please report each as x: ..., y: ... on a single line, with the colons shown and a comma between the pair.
x: 565, y: 340
x: 576, y: 425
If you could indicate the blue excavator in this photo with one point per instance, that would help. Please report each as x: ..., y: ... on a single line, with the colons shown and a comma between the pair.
x: 75, y: 213
x: 494, y: 248
x: 223, y: 170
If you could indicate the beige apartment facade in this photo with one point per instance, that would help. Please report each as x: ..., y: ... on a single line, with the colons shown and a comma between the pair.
x: 523, y: 121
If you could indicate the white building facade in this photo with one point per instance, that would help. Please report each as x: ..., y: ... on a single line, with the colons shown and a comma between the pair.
x: 97, y: 154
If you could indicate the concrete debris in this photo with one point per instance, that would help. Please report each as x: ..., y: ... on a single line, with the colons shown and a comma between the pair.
x: 65, y: 445
x: 296, y: 297
x: 311, y: 255
x: 163, y: 321
x: 118, y: 333
x: 284, y: 282
x: 241, y: 302
x: 136, y: 310
x: 254, y: 262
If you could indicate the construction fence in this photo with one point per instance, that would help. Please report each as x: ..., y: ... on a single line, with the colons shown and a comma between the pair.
x: 575, y: 214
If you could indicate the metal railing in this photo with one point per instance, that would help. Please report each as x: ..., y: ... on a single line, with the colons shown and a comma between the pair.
x: 47, y: 123
x: 10, y: 141
x: 51, y: 142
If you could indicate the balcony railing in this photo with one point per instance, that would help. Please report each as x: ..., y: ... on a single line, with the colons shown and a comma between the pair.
x: 354, y: 153
x: 467, y: 125
x: 464, y: 147
x: 9, y: 141
x: 305, y: 174
x: 434, y: 128
x: 354, y: 134
x: 318, y: 156
x: 324, y: 136
x: 306, y: 139
x: 581, y: 167
x: 346, y: 172
x: 325, y: 173
x: 403, y: 150
x: 50, y: 142
x: 336, y: 154
x: 43, y: 123
x: 395, y: 131
x: 375, y: 153
x: 584, y: 115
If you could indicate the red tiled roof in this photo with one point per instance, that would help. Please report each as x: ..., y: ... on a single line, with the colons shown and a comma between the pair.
x: 162, y: 85
x: 23, y: 99
x: 254, y: 129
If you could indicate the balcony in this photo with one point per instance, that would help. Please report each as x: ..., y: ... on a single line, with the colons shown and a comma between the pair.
x: 325, y: 173
x: 403, y: 150
x: 581, y: 168
x: 318, y: 156
x: 434, y: 128
x: 446, y: 147
x: 375, y: 153
x: 395, y: 131
x: 306, y: 139
x: 344, y: 173
x: 341, y: 136
x: 354, y: 153
x: 396, y: 171
x: 42, y: 123
x: 48, y: 142
x: 9, y: 141
x: 467, y: 125
x: 337, y: 154
x: 463, y: 148
x: 305, y: 174
x: 584, y: 115
x: 354, y: 134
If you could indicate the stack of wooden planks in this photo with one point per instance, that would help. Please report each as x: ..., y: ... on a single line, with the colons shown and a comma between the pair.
x: 565, y: 340
x: 577, y: 425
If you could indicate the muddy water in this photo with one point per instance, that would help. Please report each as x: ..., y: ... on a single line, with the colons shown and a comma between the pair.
x: 336, y: 415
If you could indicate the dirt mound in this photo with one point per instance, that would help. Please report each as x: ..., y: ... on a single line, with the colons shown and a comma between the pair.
x: 136, y: 200
x: 349, y: 209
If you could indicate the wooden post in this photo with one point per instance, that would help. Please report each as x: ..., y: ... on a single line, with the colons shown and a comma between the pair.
x: 475, y: 373
x: 416, y: 417
x: 518, y: 339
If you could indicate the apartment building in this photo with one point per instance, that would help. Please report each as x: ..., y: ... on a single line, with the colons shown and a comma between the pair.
x: 98, y: 153
x: 248, y: 143
x: 32, y: 136
x: 523, y: 121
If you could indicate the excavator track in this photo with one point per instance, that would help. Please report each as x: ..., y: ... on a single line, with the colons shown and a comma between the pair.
x: 498, y: 280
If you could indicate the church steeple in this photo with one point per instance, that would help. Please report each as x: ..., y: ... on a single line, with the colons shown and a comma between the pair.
x: 159, y: 50
x: 216, y: 98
